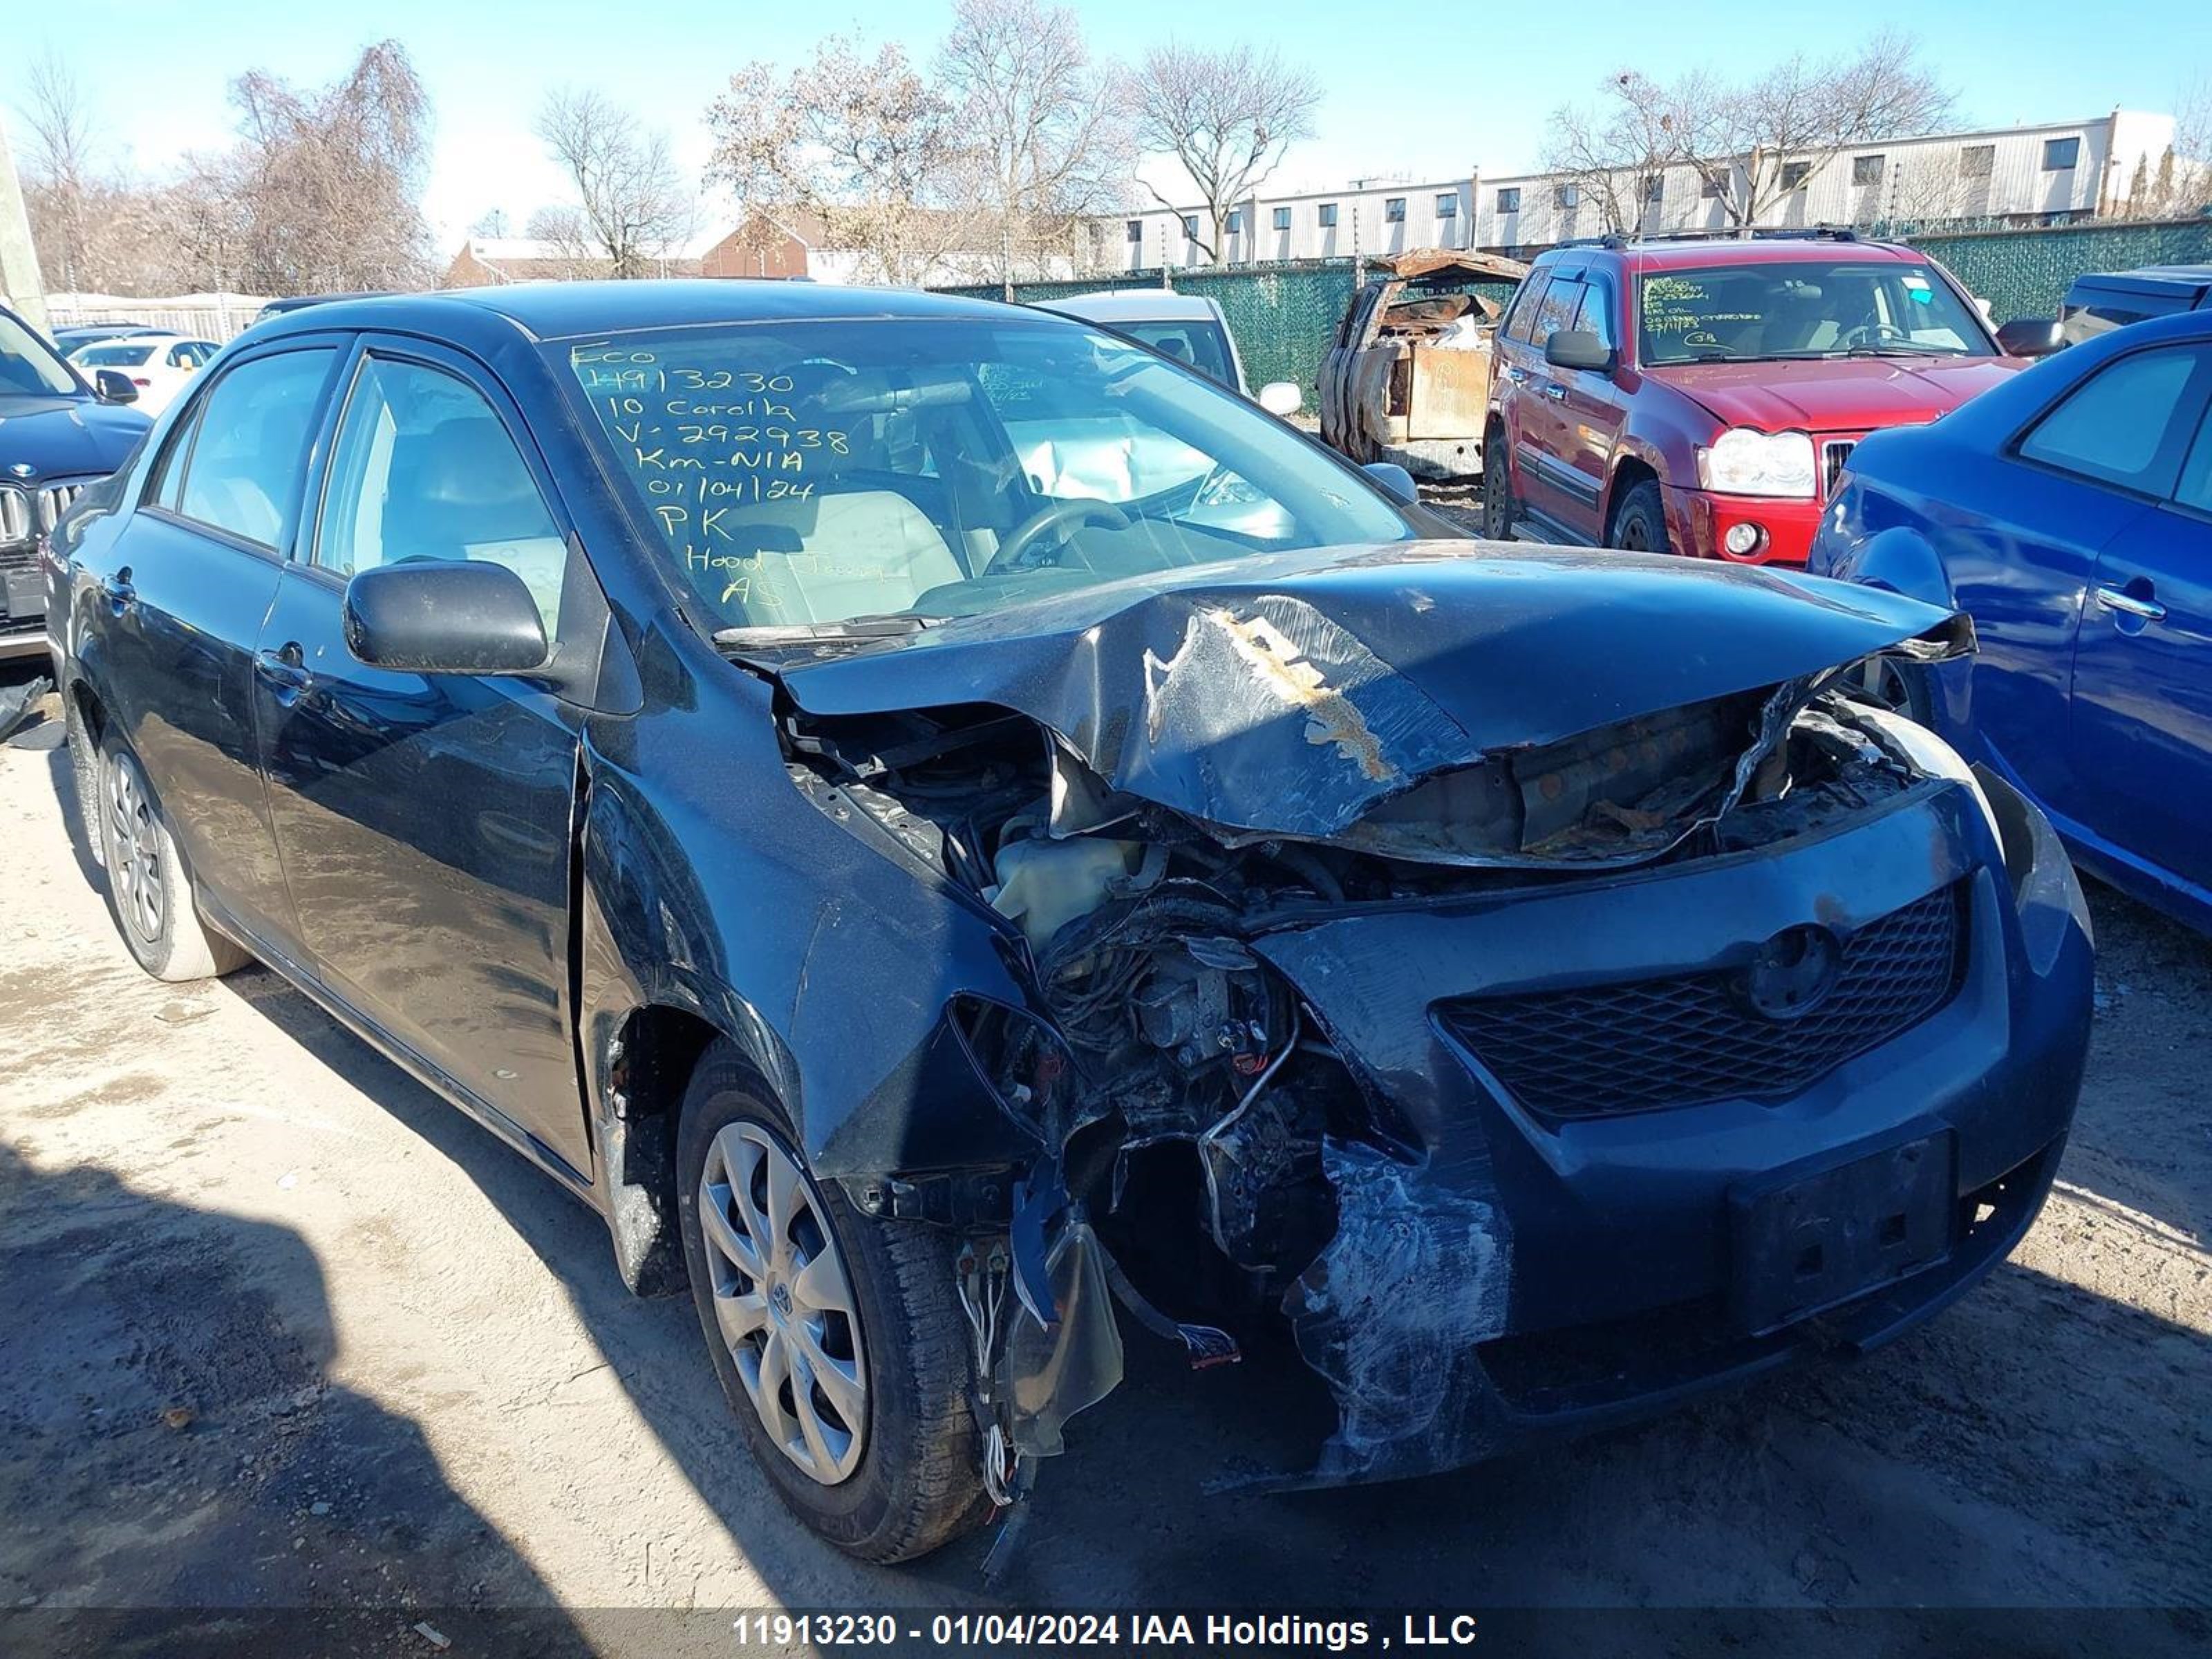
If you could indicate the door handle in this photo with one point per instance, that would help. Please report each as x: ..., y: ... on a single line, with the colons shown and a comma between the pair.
x: 117, y: 589
x: 2128, y: 605
x: 285, y: 669
x: 1515, y: 375
x: 1556, y: 392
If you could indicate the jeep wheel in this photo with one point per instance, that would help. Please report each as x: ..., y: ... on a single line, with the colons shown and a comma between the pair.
x: 838, y: 1338
x: 148, y: 891
x: 1639, y: 525
x: 1497, y: 508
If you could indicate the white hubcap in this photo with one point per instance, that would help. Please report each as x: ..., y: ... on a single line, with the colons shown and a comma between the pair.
x: 784, y: 1302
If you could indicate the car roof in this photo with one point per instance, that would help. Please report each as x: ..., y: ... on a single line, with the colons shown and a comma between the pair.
x: 553, y: 311
x: 1705, y: 251
x: 2171, y: 276
x: 1134, y: 305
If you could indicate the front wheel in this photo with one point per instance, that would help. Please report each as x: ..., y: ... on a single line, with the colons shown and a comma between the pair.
x: 1639, y: 526
x: 838, y: 1338
x: 148, y: 891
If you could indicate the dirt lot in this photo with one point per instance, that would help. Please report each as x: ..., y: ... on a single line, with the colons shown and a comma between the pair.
x: 281, y: 1328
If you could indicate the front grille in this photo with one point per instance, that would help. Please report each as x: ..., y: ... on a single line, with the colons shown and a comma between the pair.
x: 1645, y: 1045
x: 1835, y: 455
x: 28, y: 513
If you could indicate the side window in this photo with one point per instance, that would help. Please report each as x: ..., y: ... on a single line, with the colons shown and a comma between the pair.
x: 243, y: 473
x: 1521, y: 323
x: 1561, y: 300
x: 1596, y: 314
x: 424, y: 468
x: 2128, y: 424
x: 2195, y: 489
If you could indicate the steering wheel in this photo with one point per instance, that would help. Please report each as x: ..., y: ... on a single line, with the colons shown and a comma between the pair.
x: 1872, y: 334
x: 1061, y: 516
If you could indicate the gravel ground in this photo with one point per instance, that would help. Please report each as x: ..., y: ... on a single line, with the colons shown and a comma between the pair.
x: 282, y: 1329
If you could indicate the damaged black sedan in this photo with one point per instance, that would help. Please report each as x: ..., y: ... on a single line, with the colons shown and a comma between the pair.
x: 963, y: 840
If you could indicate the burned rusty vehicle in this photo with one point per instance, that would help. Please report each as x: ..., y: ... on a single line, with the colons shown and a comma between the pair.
x: 951, y: 912
x: 1407, y: 379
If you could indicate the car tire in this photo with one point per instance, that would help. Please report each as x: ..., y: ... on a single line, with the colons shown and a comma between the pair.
x: 916, y: 1480
x: 1639, y: 523
x: 84, y: 774
x: 150, y: 892
x: 1498, y: 504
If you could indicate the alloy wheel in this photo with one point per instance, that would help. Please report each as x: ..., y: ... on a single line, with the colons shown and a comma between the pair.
x: 784, y: 1301
x: 135, y: 866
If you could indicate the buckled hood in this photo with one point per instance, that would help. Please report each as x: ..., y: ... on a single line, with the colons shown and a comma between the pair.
x: 1290, y: 694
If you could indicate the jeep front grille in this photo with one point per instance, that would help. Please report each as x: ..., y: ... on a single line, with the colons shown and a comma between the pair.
x: 1835, y: 455
x: 1644, y: 1045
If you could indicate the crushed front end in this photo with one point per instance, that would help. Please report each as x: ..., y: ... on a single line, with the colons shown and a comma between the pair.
x: 1528, y: 1090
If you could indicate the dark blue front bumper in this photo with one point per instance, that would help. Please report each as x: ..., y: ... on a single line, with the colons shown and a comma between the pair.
x: 1566, y: 1273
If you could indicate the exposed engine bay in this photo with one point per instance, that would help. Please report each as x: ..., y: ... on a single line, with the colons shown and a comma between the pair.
x: 1202, y: 1131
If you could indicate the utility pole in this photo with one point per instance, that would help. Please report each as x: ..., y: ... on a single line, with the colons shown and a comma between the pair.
x: 19, y: 262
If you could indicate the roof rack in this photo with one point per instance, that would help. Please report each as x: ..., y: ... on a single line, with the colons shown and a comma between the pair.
x: 1823, y: 233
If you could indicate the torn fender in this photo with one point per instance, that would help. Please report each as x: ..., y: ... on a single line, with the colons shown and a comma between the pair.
x: 1288, y: 694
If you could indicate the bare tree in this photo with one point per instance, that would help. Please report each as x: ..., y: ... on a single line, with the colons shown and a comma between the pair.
x: 331, y: 177
x: 1048, y: 122
x: 1747, y: 142
x: 566, y: 235
x: 862, y: 144
x: 1750, y: 144
x: 1227, y: 117
x: 59, y: 156
x: 1616, y: 153
x: 626, y: 184
x: 491, y: 222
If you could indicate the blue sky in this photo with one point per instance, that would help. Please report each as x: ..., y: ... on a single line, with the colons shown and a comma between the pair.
x: 1444, y: 101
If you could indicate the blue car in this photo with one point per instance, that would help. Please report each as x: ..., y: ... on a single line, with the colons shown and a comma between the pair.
x: 2069, y: 512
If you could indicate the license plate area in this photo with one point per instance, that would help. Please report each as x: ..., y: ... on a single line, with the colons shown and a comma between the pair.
x: 1814, y: 1241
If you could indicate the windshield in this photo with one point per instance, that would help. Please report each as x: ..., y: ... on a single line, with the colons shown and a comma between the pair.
x: 1803, y: 309
x: 799, y: 476
x: 28, y: 368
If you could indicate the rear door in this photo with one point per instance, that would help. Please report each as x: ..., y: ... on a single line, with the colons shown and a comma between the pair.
x: 424, y: 821
x: 184, y: 588
x: 2142, y: 672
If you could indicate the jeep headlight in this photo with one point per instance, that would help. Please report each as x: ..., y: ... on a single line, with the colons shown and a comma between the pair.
x: 1745, y: 462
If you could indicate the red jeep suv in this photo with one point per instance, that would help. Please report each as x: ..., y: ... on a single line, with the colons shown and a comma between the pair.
x: 1696, y: 395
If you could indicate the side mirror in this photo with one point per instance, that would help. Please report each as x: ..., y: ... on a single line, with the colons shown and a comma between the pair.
x: 113, y: 386
x: 1577, y: 348
x: 440, y: 616
x: 1281, y: 398
x: 2030, y: 336
x: 1396, y: 482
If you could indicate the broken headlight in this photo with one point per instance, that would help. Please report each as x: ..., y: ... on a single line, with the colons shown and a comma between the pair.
x: 1928, y: 754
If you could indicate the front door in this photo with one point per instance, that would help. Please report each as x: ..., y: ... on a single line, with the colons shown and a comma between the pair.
x: 424, y: 821
x: 2083, y: 479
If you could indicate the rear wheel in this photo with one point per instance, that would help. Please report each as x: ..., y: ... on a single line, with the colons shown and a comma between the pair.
x: 148, y: 891
x: 1640, y: 524
x: 1497, y: 505
x: 838, y: 1338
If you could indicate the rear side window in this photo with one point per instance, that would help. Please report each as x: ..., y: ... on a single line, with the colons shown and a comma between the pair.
x: 1521, y: 322
x: 115, y: 356
x: 242, y: 476
x: 2129, y: 423
x: 1561, y: 300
